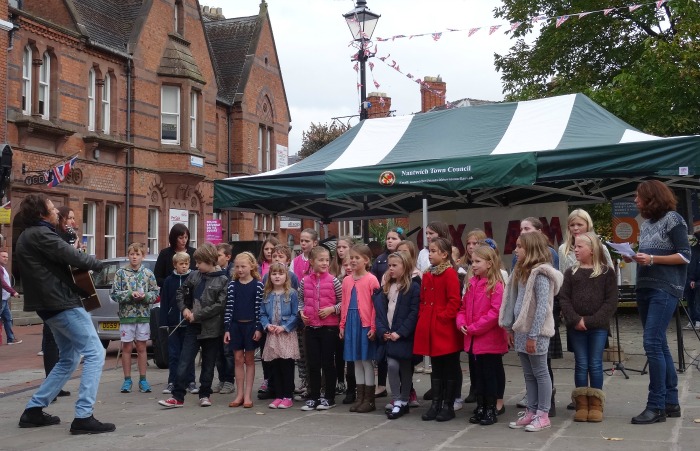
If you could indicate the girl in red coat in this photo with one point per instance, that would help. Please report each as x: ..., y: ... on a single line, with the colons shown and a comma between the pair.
x: 436, y: 335
x: 484, y: 340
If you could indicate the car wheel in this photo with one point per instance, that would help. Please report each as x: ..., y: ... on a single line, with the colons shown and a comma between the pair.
x: 105, y: 343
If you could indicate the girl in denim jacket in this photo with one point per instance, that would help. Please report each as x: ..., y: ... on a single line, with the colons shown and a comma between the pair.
x: 278, y: 317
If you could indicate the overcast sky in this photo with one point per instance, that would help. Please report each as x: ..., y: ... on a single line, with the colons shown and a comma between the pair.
x: 312, y: 42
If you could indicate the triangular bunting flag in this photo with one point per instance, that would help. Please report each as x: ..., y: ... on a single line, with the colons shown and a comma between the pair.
x: 472, y: 31
x: 582, y: 15
x: 514, y: 25
x: 376, y: 85
x: 660, y: 3
x: 561, y: 20
x: 635, y: 7
x: 493, y: 29
x: 608, y: 11
x: 437, y: 36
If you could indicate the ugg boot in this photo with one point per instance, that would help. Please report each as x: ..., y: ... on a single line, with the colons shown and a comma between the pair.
x: 447, y: 411
x: 368, y: 401
x: 596, y: 401
x: 490, y: 411
x: 580, y: 399
x: 479, y: 411
x: 436, y: 404
x: 360, y: 397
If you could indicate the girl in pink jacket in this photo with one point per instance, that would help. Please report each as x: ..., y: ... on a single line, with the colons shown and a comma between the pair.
x: 484, y: 339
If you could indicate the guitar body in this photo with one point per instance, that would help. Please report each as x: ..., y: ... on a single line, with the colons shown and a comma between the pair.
x: 88, y: 294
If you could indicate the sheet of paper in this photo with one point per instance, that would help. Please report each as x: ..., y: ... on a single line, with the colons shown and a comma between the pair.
x: 622, y: 248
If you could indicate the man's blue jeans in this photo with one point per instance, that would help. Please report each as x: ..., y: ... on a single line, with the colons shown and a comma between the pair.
x: 74, y: 334
x: 588, y: 354
x: 6, y: 315
x: 656, y: 308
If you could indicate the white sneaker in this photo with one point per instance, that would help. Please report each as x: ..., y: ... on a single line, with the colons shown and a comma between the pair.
x: 459, y: 404
x: 192, y: 388
x: 169, y: 389
x: 688, y: 326
x: 204, y: 402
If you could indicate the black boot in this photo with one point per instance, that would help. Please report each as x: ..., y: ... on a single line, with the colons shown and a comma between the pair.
x: 553, y: 406
x: 447, y: 412
x: 490, y: 412
x: 471, y: 397
x: 90, y: 425
x: 35, y: 417
x: 436, y: 388
x: 479, y: 411
x: 428, y: 396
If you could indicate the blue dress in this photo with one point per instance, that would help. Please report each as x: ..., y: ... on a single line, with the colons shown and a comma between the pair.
x: 357, y: 345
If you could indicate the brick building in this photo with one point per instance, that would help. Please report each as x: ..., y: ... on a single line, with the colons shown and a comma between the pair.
x: 156, y: 99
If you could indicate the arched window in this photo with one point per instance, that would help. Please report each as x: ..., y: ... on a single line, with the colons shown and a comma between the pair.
x: 91, y: 100
x: 106, y: 104
x: 27, y: 81
x: 45, y: 86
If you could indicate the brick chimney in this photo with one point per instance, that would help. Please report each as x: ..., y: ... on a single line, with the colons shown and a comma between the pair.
x: 377, y: 109
x: 428, y: 97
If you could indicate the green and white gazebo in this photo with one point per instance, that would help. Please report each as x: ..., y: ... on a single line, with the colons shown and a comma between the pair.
x: 564, y: 148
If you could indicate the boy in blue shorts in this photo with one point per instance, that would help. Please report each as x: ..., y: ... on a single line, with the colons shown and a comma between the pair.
x: 134, y: 289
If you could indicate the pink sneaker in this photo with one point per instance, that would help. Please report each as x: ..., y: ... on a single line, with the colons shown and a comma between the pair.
x: 275, y: 404
x: 286, y: 403
x: 413, y: 399
x: 541, y: 421
x: 171, y: 403
x: 524, y: 419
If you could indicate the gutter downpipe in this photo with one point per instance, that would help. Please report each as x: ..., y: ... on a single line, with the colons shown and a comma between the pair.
x: 129, y: 150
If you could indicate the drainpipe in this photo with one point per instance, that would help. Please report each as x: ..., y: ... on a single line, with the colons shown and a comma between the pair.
x: 229, y: 110
x: 129, y: 150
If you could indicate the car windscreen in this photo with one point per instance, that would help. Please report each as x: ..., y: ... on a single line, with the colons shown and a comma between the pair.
x: 105, y: 277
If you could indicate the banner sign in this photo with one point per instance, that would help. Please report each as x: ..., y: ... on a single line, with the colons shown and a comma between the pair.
x: 177, y: 217
x: 214, y: 231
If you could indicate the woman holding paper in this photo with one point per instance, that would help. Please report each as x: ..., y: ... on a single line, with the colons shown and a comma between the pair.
x: 663, y: 254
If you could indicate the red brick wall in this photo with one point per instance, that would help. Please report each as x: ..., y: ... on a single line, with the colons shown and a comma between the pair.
x: 378, y: 110
x: 4, y: 43
x: 435, y: 95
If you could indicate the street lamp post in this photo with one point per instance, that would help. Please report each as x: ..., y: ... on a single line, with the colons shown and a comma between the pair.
x: 362, y: 22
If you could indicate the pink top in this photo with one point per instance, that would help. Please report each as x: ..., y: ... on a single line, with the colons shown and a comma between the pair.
x: 365, y: 287
x: 479, y: 312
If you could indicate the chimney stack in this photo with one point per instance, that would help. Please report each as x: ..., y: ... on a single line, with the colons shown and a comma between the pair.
x: 378, y: 110
x: 432, y: 93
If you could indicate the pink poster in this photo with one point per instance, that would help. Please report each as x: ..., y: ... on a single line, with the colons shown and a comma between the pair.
x: 214, y: 232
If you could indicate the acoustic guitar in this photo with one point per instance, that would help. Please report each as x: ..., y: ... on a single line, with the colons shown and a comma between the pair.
x: 86, y: 289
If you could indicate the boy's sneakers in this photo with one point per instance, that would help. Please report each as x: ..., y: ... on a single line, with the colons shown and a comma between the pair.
x: 126, y: 386
x: 340, y: 388
x: 302, y: 396
x: 285, y: 404
x: 413, y: 399
x: 169, y: 389
x: 524, y: 419
x: 217, y: 388
x: 459, y: 404
x: 227, y: 388
x: 204, y: 402
x: 325, y: 404
x: 688, y: 326
x: 144, y: 386
x: 192, y: 388
x: 14, y: 342
x: 90, y: 425
x: 541, y: 421
x: 171, y: 403
x: 311, y: 404
x: 275, y: 404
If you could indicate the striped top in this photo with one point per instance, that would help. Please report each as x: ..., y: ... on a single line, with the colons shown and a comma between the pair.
x: 243, y: 302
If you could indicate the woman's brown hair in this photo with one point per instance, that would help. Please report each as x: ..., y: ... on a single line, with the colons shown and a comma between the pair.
x: 657, y: 199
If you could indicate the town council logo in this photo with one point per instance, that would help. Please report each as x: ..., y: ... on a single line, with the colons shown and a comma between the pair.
x: 387, y: 178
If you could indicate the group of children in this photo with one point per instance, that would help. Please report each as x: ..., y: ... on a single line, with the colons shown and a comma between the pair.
x: 332, y: 313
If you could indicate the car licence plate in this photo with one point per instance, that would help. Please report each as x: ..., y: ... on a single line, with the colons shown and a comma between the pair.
x: 109, y: 325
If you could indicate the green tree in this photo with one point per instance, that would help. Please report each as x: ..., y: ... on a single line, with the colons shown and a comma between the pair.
x: 319, y: 135
x: 643, y: 66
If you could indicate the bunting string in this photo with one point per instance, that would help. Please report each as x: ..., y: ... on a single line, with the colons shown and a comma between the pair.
x: 512, y: 26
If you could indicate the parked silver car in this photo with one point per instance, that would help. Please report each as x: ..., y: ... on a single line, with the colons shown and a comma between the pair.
x: 106, y: 318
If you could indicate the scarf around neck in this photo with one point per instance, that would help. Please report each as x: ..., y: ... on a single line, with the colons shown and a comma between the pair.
x: 439, y: 269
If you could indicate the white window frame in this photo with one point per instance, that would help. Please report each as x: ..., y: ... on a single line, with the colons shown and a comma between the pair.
x: 27, y: 80
x: 45, y: 86
x: 193, y: 119
x: 91, y: 100
x: 110, y: 231
x: 106, y: 104
x: 260, y: 148
x: 192, y: 222
x: 273, y: 221
x: 268, y: 153
x: 170, y: 114
x: 153, y: 217
x: 89, y: 221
